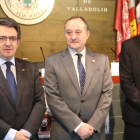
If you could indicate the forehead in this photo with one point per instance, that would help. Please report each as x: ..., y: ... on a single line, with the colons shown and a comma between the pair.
x: 76, y: 23
x: 7, y: 31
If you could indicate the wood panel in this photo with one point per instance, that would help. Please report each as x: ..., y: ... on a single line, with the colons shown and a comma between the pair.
x: 32, y: 49
x: 49, y: 33
x: 101, y: 10
x: 46, y: 31
x: 60, y: 11
x: 54, y: 31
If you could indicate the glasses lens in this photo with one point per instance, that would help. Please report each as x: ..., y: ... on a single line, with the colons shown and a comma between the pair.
x: 2, y: 39
x: 12, y: 39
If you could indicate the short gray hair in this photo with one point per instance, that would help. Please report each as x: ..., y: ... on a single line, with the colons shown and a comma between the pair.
x: 74, y: 17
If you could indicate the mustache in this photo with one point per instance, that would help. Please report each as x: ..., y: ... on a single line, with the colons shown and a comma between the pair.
x: 73, y: 40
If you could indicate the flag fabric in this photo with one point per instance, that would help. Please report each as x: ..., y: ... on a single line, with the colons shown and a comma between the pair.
x: 122, y: 24
x: 132, y: 18
x: 138, y: 26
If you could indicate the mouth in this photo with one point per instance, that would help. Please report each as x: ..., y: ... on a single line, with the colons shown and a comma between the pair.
x: 7, y: 49
x: 74, y: 42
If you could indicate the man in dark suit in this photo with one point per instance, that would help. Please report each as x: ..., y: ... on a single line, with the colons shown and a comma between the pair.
x: 130, y: 85
x: 22, y: 104
x: 78, y: 86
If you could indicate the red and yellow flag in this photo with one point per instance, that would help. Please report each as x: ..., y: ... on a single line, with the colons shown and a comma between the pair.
x: 138, y: 26
x: 132, y: 18
x: 122, y: 24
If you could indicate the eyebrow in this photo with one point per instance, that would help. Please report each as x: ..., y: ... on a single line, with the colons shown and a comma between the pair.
x: 68, y: 30
x: 7, y: 36
x: 74, y: 30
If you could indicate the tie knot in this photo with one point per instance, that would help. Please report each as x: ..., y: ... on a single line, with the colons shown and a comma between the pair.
x: 8, y: 64
x: 79, y: 56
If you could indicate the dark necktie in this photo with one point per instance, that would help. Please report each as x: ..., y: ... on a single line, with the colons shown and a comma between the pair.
x: 81, y: 71
x: 11, y: 80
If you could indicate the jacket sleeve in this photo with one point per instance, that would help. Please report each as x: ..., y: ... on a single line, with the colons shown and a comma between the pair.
x: 4, y: 128
x: 99, y: 116
x: 36, y: 116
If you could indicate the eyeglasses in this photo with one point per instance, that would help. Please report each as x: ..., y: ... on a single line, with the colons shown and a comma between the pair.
x: 12, y: 39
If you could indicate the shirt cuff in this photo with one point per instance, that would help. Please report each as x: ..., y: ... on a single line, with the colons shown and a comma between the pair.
x: 23, y: 130
x: 76, y: 129
x: 11, y: 134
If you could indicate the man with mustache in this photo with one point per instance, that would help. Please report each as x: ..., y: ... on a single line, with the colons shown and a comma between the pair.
x: 78, y: 86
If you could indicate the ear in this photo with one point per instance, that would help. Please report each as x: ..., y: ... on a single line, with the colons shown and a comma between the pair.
x: 18, y: 42
x: 88, y: 34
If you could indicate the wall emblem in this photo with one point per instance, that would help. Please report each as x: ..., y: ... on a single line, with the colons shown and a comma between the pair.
x: 27, y: 11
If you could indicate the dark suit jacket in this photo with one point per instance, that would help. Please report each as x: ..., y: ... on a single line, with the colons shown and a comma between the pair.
x: 130, y: 79
x: 29, y: 110
x: 64, y: 98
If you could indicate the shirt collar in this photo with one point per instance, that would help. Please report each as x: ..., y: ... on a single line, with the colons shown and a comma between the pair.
x: 2, y: 61
x: 72, y: 52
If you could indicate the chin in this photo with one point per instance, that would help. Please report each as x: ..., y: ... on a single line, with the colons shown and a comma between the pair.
x: 75, y: 47
x: 8, y: 57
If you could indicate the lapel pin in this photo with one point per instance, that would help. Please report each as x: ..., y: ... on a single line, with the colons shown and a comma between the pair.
x: 23, y: 69
x: 93, y: 61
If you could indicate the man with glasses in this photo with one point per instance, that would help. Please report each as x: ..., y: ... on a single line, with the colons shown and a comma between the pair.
x: 22, y: 104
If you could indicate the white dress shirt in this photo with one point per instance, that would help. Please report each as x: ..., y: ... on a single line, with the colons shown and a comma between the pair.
x: 4, y: 67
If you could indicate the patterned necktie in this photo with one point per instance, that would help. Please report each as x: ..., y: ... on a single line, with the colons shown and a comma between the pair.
x: 11, y: 80
x: 81, y: 71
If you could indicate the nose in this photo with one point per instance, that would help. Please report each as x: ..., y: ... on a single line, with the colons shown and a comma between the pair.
x: 73, y: 36
x: 7, y: 42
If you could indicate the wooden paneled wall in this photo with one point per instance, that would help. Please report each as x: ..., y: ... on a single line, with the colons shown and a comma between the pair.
x: 49, y: 33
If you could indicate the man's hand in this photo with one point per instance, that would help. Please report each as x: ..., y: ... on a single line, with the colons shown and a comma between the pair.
x: 21, y: 136
x: 85, y: 131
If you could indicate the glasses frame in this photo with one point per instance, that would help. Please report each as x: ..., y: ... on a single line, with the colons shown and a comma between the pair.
x: 12, y: 39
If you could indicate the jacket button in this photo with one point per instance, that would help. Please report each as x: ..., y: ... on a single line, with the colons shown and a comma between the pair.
x: 17, y: 115
x: 82, y: 101
x: 79, y: 115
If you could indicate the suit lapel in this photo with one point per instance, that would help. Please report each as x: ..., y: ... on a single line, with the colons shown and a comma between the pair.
x: 20, y: 73
x: 6, y: 89
x: 90, y: 65
x: 69, y: 66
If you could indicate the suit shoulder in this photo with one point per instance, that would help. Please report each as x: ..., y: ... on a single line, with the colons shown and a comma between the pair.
x: 98, y: 54
x: 56, y: 56
x: 27, y: 63
x: 100, y: 57
x: 131, y: 42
